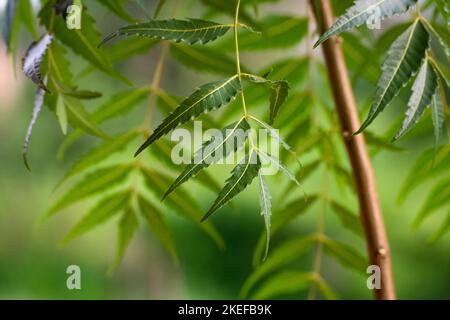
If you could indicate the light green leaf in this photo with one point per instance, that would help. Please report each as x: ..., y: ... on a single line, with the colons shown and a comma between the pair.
x: 102, y: 212
x: 81, y: 41
x: 118, y: 9
x: 208, y: 97
x: 158, y: 225
x: 282, y: 218
x: 180, y: 201
x: 241, y: 176
x: 100, y: 153
x: 61, y: 114
x: 203, y: 59
x: 265, y: 203
x: 277, y: 32
x: 443, y: 230
x: 280, y: 91
x: 348, y: 218
x: 284, y: 283
x: 126, y: 229
x: 403, y: 60
x: 280, y: 257
x: 429, y: 165
x: 79, y: 118
x: 276, y: 162
x: 218, y: 148
x: 346, y: 255
x: 364, y: 11
x: 424, y: 89
x: 159, y: 7
x: 117, y: 105
x: 93, y: 183
x: 190, y: 31
x: 438, y: 198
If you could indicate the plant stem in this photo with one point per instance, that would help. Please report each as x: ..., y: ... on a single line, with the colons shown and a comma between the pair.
x: 238, y: 60
x: 363, y: 174
x: 155, y: 86
x: 320, y: 232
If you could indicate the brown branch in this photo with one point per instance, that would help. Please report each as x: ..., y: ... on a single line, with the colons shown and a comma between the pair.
x: 363, y: 174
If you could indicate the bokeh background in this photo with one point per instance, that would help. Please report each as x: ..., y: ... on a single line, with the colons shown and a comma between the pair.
x: 33, y: 265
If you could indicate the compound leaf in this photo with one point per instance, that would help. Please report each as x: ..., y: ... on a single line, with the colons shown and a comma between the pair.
x: 208, y: 97
x: 366, y: 10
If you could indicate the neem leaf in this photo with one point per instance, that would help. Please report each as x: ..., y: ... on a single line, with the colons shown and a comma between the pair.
x: 242, y: 176
x: 403, y: 59
x: 33, y: 59
x: 363, y: 11
x: 265, y: 203
x: 208, y: 97
x: 190, y: 31
x: 424, y: 89
x: 218, y: 148
x: 102, y: 212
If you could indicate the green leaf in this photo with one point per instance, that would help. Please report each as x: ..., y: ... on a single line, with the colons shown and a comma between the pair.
x: 180, y: 201
x: 438, y: 198
x: 33, y: 60
x: 443, y: 230
x: 277, y: 32
x: 93, y: 183
x: 348, y: 218
x: 203, y: 59
x: 100, y: 153
x: 130, y: 47
x: 218, y: 148
x: 403, y: 60
x: 345, y: 254
x: 276, y: 162
x: 241, y: 176
x: 117, y: 105
x: 438, y: 116
x: 280, y: 91
x: 424, y: 89
x: 208, y: 97
x: 79, y: 118
x: 429, y: 165
x: 118, y: 9
x: 82, y: 41
x: 190, y: 31
x: 265, y: 203
x: 126, y: 229
x: 284, y: 283
x: 158, y: 225
x: 102, y: 212
x: 61, y: 114
x: 380, y: 142
x: 281, y: 256
x: 159, y: 7
x: 364, y: 11
x: 282, y: 218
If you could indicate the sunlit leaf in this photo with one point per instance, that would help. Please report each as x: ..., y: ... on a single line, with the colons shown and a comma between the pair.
x: 241, y: 176
x: 207, y: 98
x: 218, y: 148
x: 102, y: 212
x: 363, y: 11
x: 403, y: 60
x: 190, y: 31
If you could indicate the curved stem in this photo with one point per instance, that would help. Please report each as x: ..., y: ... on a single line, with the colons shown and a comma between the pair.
x: 238, y: 60
x: 363, y: 173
